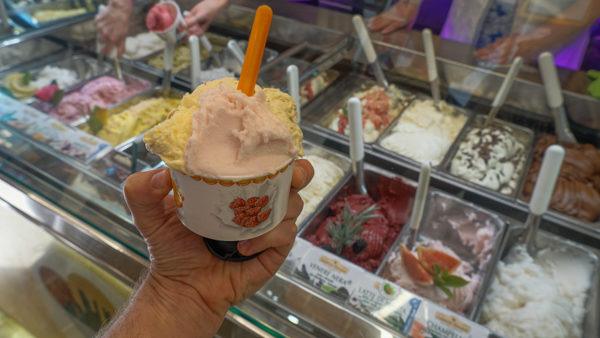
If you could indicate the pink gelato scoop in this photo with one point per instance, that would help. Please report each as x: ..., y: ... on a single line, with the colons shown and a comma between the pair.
x: 234, y: 135
x: 102, y: 92
x: 161, y: 17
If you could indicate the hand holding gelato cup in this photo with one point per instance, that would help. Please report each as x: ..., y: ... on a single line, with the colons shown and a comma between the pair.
x: 231, y: 158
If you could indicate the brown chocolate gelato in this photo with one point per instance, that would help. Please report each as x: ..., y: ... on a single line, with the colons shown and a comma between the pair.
x: 577, y: 191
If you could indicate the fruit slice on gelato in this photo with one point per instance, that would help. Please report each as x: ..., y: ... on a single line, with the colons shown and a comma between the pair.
x: 430, y: 257
x: 415, y: 270
x: 19, y: 84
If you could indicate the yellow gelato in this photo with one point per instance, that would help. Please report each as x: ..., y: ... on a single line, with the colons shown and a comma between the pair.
x: 19, y: 86
x: 181, y: 59
x: 45, y: 15
x: 136, y: 119
x: 170, y: 138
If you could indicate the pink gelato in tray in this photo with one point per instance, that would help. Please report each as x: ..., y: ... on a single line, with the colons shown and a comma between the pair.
x: 102, y: 92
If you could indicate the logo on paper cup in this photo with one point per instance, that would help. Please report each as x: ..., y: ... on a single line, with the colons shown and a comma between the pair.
x: 231, y: 212
x: 251, y: 212
x: 246, y: 208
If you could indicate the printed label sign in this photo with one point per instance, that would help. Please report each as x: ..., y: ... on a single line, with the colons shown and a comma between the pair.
x: 49, y: 131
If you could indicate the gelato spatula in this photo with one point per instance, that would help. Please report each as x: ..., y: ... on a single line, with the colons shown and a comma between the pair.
x: 293, y: 85
x: 542, y: 193
x: 416, y: 215
x: 168, y: 66
x: 205, y: 42
x: 112, y: 53
x: 367, y: 46
x: 555, y: 98
x: 432, y: 72
x: 195, y: 55
x: 236, y: 51
x: 118, y: 68
x: 357, y: 145
x: 163, y: 19
x: 504, y: 89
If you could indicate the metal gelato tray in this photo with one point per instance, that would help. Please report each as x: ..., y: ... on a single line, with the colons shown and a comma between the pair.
x: 218, y: 42
x: 591, y: 228
x: 25, y: 15
x: 225, y: 57
x: 524, y: 135
x: 341, y: 161
x: 47, y: 108
x: 27, y: 51
x: 156, y: 92
x: 591, y: 320
x: 389, y: 130
x: 314, y: 85
x: 373, y: 177
x: 436, y: 227
x: 346, y: 88
x: 84, y: 66
x: 227, y: 61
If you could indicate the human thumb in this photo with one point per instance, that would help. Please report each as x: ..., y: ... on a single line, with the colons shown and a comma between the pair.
x: 145, y: 193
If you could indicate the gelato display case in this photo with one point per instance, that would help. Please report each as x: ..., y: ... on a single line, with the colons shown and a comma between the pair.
x: 71, y: 132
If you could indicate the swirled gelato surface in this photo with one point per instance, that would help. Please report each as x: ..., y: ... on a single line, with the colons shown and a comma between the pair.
x: 577, y: 191
x: 492, y: 157
x: 218, y: 131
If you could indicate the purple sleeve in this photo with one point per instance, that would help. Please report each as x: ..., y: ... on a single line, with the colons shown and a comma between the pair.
x: 592, y: 56
x: 432, y: 14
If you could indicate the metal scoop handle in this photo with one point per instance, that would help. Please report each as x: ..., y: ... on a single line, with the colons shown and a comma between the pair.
x: 542, y: 193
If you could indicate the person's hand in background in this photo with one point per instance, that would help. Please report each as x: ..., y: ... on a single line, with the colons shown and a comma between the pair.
x: 112, y: 25
x: 197, y: 21
x: 504, y: 50
x: 399, y: 16
x: 188, y: 290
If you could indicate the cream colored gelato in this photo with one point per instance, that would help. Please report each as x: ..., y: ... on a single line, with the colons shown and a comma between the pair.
x: 327, y: 175
x: 64, y: 78
x: 217, y: 131
x: 142, y: 45
x: 425, y: 134
x: 541, y: 297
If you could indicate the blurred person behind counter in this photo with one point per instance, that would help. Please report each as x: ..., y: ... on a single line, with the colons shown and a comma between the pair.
x: 500, y: 30
x: 113, y: 23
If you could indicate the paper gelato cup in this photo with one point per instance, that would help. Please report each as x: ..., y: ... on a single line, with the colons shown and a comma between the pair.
x: 232, y: 209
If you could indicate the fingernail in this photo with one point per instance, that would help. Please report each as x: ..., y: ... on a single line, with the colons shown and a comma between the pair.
x: 244, y: 246
x: 160, y: 180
